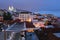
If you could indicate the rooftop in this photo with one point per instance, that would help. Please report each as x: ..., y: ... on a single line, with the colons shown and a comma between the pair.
x: 17, y: 27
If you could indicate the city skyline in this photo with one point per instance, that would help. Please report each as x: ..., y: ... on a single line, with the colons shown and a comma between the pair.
x: 50, y: 6
x: 32, y: 5
x: 29, y: 19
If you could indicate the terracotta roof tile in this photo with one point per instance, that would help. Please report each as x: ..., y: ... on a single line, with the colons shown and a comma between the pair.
x: 29, y: 25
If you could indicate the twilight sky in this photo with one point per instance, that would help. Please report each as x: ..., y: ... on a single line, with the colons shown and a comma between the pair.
x: 32, y: 5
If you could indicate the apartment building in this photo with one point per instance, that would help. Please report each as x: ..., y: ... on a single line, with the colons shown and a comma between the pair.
x: 26, y: 16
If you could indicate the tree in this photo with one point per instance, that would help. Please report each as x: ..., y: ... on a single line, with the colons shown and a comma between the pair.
x: 4, y: 16
x: 7, y: 16
x: 1, y: 27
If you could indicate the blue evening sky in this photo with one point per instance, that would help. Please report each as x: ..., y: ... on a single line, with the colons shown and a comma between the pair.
x: 42, y: 6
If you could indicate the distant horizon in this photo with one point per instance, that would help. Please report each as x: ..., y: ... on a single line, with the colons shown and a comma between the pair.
x: 32, y: 5
x: 56, y: 13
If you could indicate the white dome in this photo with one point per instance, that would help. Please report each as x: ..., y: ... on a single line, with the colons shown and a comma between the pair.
x: 11, y: 8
